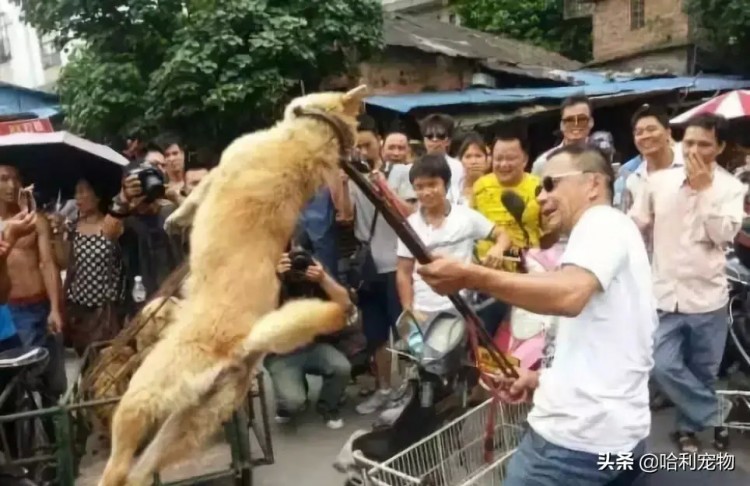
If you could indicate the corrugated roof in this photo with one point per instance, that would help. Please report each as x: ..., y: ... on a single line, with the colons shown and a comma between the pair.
x: 406, y: 103
x: 450, y: 40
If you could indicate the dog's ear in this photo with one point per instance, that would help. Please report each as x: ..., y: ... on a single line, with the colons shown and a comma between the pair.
x: 352, y: 99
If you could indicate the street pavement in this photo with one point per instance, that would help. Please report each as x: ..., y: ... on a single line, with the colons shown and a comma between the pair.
x: 304, y: 451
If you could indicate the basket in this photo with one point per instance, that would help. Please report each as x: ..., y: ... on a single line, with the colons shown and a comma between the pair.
x: 455, y: 454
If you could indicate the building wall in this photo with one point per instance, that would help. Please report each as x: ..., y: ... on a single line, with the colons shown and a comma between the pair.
x: 401, y: 70
x: 675, y: 60
x: 665, y: 24
x: 25, y: 59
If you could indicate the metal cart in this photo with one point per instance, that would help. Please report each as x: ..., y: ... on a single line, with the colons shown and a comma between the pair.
x: 455, y: 455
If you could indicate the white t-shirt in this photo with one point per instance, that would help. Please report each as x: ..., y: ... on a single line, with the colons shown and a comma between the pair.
x: 455, y: 237
x: 594, y: 396
x: 458, y: 174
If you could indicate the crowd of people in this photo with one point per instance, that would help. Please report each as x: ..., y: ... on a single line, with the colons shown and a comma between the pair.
x: 640, y: 283
x: 640, y: 288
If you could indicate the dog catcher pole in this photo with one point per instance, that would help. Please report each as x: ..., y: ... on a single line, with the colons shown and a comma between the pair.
x: 379, y: 197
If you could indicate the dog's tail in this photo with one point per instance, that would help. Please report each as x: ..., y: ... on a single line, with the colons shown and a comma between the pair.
x: 292, y: 326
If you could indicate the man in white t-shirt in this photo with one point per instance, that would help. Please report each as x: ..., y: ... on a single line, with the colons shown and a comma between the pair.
x: 437, y: 133
x: 593, y: 397
x: 444, y: 228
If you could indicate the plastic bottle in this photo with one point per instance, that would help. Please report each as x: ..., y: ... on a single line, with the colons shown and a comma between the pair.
x: 139, y: 291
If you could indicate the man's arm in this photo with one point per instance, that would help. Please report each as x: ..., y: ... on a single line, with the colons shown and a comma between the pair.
x: 642, y: 210
x: 564, y: 292
x: 405, y: 282
x: 4, y: 277
x: 48, y: 267
x: 335, y: 291
x: 718, y: 213
x: 345, y: 209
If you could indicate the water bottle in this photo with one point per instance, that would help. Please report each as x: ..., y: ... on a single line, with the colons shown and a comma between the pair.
x: 139, y: 291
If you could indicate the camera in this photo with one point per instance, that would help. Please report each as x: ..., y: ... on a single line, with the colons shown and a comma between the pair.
x: 152, y: 182
x: 300, y: 260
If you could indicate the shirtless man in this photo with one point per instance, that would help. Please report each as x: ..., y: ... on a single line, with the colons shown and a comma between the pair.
x: 35, y: 287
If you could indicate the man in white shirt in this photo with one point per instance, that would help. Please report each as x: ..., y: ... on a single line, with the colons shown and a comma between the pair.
x: 653, y: 139
x: 694, y: 211
x: 377, y: 297
x: 437, y: 132
x: 576, y: 123
x: 593, y: 397
x: 445, y: 228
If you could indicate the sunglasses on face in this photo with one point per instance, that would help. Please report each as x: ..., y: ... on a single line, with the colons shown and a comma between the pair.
x: 549, y: 183
x: 436, y: 136
x: 576, y: 121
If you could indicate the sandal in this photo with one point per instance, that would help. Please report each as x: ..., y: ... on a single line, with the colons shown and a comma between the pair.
x: 686, y: 442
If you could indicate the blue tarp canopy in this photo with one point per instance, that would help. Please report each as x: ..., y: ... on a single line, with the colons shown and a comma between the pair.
x: 482, y: 96
x: 16, y: 100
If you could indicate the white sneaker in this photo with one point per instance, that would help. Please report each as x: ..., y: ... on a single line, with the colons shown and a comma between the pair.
x: 377, y: 400
x: 333, y: 420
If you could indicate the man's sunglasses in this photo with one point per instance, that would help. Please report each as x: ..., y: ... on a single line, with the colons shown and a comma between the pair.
x: 576, y: 121
x: 549, y: 183
x: 436, y: 136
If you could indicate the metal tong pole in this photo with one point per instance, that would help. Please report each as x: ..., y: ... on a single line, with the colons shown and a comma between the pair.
x: 407, y: 235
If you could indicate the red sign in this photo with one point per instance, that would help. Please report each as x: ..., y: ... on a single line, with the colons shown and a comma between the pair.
x: 39, y: 125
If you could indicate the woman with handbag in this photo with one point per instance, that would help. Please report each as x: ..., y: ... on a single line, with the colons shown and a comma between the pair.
x: 94, y: 285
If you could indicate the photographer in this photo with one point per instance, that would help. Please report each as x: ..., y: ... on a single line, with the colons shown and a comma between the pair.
x: 150, y: 255
x: 304, y: 277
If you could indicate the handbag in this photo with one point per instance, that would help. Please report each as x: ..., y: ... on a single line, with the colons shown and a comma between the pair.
x: 362, y: 270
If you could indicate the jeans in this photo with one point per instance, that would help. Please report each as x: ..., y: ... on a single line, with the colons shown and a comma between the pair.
x: 31, y: 324
x: 288, y: 374
x: 538, y: 462
x: 687, y: 355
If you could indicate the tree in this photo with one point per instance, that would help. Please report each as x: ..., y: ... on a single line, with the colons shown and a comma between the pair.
x: 724, y: 28
x: 539, y: 22
x: 211, y: 69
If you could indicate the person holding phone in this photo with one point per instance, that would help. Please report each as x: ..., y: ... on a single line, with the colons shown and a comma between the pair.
x: 35, y: 296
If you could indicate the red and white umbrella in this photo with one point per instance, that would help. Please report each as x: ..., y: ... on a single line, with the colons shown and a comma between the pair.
x: 734, y: 104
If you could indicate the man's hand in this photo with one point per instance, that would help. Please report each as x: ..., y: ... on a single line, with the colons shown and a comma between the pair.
x: 55, y: 322
x: 699, y: 175
x: 56, y: 222
x: 494, y: 257
x: 4, y: 249
x: 284, y: 265
x: 315, y: 272
x: 522, y: 388
x: 445, y: 275
x: 131, y: 189
x: 20, y: 225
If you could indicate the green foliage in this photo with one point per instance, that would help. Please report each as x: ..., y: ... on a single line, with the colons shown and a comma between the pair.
x: 211, y: 69
x: 724, y: 28
x: 539, y: 22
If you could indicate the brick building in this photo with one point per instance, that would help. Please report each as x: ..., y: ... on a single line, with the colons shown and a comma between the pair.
x: 648, y: 34
x: 422, y: 53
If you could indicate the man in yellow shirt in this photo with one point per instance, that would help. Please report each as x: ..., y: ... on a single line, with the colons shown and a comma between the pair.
x: 509, y: 161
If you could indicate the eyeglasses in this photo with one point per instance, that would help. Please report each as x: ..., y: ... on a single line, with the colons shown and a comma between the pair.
x: 576, y: 121
x: 436, y: 136
x: 549, y: 183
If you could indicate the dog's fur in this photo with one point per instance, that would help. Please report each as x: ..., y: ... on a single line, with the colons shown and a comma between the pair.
x: 243, y: 215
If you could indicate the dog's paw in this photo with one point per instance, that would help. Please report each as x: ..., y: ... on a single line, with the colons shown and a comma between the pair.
x: 177, y: 222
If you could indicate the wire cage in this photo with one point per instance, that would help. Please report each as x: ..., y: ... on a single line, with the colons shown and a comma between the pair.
x: 734, y: 406
x: 89, y: 404
x: 455, y: 455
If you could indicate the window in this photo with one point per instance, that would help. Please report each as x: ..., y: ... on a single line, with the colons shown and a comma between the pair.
x: 50, y: 54
x: 5, y: 53
x: 637, y: 14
